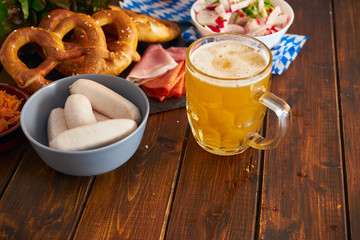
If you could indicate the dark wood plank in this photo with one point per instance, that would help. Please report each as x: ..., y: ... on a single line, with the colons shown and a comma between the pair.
x: 133, y: 202
x: 215, y: 196
x: 40, y: 203
x: 347, y: 29
x: 9, y: 160
x: 302, y: 194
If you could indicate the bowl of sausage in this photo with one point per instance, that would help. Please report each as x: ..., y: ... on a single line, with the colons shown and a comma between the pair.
x: 86, y: 125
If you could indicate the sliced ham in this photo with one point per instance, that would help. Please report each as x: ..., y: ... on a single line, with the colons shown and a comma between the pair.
x: 150, y: 93
x: 158, y: 76
x: 184, y: 88
x: 177, y: 53
x: 174, y: 80
x: 177, y: 90
x: 155, y: 61
x: 163, y: 85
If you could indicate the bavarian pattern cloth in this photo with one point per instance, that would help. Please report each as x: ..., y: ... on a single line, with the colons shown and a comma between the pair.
x: 286, y: 51
x: 172, y: 10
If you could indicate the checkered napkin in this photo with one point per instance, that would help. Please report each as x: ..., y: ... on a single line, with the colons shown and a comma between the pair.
x: 172, y: 10
x: 283, y: 53
x: 286, y: 51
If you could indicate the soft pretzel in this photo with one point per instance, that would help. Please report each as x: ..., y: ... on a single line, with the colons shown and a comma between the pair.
x: 122, y: 44
x: 151, y: 29
x: 95, y: 51
x: 53, y: 18
x: 54, y: 51
x: 49, y: 22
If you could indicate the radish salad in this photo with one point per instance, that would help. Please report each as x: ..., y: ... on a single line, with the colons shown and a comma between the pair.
x: 251, y: 17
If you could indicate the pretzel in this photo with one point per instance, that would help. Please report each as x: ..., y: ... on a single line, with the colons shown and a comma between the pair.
x: 53, y: 18
x: 33, y: 79
x: 122, y: 44
x: 49, y: 22
x: 151, y: 29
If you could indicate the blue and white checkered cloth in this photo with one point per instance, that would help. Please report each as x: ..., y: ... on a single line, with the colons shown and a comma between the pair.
x: 286, y: 51
x: 172, y: 10
x: 179, y: 11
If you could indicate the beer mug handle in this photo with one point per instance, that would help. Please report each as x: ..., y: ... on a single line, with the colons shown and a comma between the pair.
x: 283, y: 112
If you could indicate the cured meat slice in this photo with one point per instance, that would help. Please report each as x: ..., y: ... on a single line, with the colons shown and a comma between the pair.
x: 184, y: 87
x: 163, y: 84
x: 155, y: 61
x: 177, y: 53
x: 176, y: 91
x: 150, y: 93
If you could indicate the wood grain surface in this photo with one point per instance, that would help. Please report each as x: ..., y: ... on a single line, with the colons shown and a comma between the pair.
x: 145, y: 186
x: 306, y: 188
x: 347, y: 52
x: 307, y: 201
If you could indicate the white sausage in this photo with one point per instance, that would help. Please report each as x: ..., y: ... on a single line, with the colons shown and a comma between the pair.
x: 56, y: 123
x: 105, y: 100
x: 78, y: 111
x: 100, y: 116
x: 94, y: 135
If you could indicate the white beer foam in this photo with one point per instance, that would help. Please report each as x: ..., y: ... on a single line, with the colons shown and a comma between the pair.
x: 230, y: 60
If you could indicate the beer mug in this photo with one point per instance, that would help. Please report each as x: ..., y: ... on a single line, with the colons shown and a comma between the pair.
x: 227, y: 94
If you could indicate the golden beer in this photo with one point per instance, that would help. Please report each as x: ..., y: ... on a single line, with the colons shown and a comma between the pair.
x: 223, y: 78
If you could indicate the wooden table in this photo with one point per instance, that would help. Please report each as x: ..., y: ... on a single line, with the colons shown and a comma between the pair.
x: 307, y: 188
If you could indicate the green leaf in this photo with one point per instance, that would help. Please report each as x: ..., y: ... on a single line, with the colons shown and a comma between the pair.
x: 3, y: 15
x: 251, y: 10
x: 3, y: 12
x: 25, y: 8
x: 268, y: 6
x: 38, y: 5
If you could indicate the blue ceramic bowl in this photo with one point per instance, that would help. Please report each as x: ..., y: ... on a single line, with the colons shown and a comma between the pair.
x: 35, y: 115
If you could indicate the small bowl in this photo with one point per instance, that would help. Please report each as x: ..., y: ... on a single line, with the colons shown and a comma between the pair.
x: 14, y: 135
x: 270, y: 40
x: 97, y: 161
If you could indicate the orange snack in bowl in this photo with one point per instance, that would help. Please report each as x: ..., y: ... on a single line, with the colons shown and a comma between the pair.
x: 9, y: 110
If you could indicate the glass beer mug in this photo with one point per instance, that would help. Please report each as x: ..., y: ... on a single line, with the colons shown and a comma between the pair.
x: 227, y: 94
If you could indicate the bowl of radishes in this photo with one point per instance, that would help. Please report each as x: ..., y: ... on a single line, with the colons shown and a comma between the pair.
x: 266, y: 20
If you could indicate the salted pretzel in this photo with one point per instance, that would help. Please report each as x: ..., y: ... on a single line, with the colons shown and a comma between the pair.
x: 33, y: 79
x: 126, y: 41
x: 122, y: 44
x: 151, y: 29
x: 53, y: 18
x: 49, y: 22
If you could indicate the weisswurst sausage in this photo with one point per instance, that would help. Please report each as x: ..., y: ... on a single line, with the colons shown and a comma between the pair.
x: 78, y: 111
x: 100, y: 116
x: 56, y: 123
x: 105, y: 100
x: 93, y: 135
